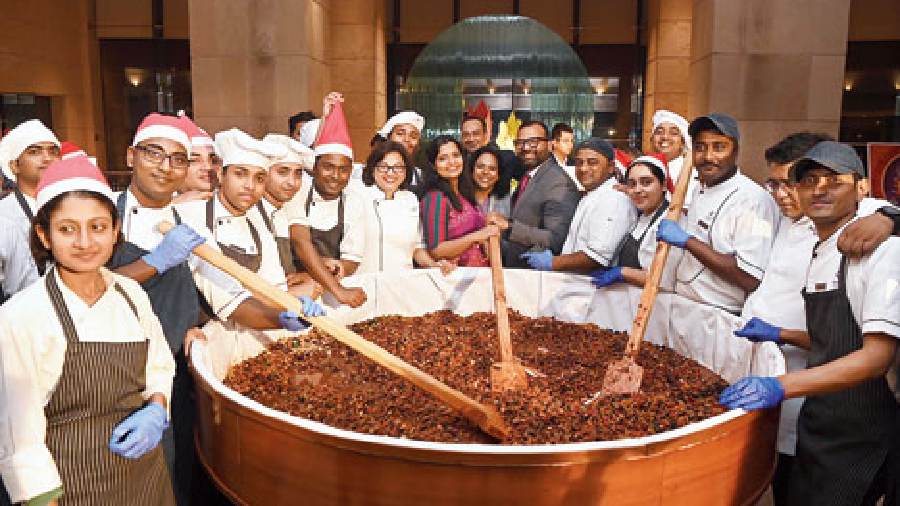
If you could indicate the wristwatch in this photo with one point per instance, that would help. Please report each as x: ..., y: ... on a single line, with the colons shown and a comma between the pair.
x: 894, y: 214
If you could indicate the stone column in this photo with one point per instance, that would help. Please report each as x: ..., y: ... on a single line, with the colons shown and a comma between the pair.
x: 357, y: 56
x: 668, y: 59
x: 775, y: 65
x: 256, y: 62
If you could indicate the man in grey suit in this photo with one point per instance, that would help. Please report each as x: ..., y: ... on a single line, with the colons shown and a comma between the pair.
x: 544, y: 202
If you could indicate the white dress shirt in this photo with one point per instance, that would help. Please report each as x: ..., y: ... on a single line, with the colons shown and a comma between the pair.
x: 323, y: 215
x: 735, y: 217
x: 33, y: 352
x: 10, y: 208
x: 602, y: 219
x: 17, y: 269
x: 393, y: 231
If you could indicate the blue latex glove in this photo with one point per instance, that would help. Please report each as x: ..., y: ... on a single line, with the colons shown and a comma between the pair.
x: 670, y: 232
x: 753, y: 392
x: 606, y: 277
x: 140, y: 432
x: 759, y: 331
x: 290, y: 320
x: 175, y: 248
x: 539, y: 260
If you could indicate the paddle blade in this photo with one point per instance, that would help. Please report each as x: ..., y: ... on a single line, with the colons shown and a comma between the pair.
x: 508, y: 376
x: 622, y: 377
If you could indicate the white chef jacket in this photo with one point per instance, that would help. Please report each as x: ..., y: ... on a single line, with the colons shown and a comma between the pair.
x: 235, y: 231
x: 735, y: 217
x: 9, y: 208
x: 139, y: 227
x: 323, y: 215
x: 647, y: 247
x: 602, y: 219
x: 17, y: 269
x: 33, y: 352
x: 393, y: 231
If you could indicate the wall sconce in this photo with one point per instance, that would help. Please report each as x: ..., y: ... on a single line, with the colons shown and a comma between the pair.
x: 848, y: 85
x: 135, y: 76
x: 611, y: 132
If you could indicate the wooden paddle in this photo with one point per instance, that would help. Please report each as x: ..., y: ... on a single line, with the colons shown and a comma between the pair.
x: 508, y: 374
x: 485, y: 417
x: 624, y: 376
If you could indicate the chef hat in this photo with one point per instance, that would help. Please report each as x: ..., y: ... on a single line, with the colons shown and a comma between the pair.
x: 402, y: 118
x: 197, y: 135
x: 308, y: 132
x: 238, y: 148
x: 159, y: 126
x: 72, y: 174
x: 663, y: 116
x: 296, y: 151
x: 334, y: 138
x: 18, y: 139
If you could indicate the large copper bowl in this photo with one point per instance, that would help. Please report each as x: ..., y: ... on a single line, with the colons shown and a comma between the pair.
x: 257, y: 455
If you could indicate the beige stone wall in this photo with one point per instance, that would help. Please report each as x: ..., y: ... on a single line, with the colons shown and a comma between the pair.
x: 49, y: 49
x: 775, y: 65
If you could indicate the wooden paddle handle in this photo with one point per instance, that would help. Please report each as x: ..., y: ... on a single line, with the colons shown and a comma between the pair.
x: 651, y: 285
x: 506, y: 353
x: 484, y: 416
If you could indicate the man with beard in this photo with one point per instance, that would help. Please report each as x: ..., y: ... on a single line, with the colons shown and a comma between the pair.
x: 730, y: 225
x: 159, y: 157
x: 543, y: 204
x: 603, y: 217
x: 327, y: 223
x: 25, y: 152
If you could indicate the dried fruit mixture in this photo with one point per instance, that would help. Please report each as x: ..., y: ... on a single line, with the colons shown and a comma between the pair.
x: 320, y: 379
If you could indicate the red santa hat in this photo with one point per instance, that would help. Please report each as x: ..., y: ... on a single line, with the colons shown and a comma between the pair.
x: 659, y: 161
x: 73, y: 174
x: 479, y: 111
x: 198, y: 136
x: 159, y: 126
x: 71, y: 150
x: 622, y: 161
x: 334, y: 137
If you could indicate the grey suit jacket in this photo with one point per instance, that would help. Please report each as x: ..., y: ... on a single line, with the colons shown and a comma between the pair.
x: 541, y: 215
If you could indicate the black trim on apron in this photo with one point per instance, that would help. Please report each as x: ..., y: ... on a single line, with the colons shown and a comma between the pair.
x: 285, y: 251
x: 236, y: 253
x: 326, y: 242
x: 100, y: 385
x: 629, y: 249
x: 26, y: 210
x: 843, y: 438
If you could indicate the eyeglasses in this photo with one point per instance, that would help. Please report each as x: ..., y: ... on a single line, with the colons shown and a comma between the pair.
x: 832, y: 181
x: 158, y: 156
x: 530, y: 143
x: 390, y: 169
x: 775, y: 185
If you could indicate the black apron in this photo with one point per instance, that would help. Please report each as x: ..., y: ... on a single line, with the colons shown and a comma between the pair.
x: 629, y: 248
x: 176, y: 302
x: 251, y: 261
x: 100, y: 385
x: 285, y: 253
x: 843, y: 438
x: 326, y: 242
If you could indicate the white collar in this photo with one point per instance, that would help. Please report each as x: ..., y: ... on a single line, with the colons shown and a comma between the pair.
x: 131, y: 202
x: 724, y: 186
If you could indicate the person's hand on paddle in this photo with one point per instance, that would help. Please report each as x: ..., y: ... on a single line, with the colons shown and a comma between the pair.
x: 672, y: 233
x: 753, y: 392
x: 495, y: 218
x: 759, y: 331
x: 539, y: 260
x: 864, y: 235
x: 140, y: 432
x: 606, y: 277
x: 175, y: 248
x: 192, y: 334
x: 335, y: 267
x: 353, y: 297
x: 293, y: 322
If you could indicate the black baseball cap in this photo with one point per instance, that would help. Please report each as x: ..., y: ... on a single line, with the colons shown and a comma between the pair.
x: 836, y: 156
x: 599, y: 145
x: 720, y: 122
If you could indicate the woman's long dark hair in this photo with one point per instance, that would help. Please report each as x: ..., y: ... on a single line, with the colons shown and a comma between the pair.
x: 432, y: 181
x: 42, y: 255
x: 504, y: 174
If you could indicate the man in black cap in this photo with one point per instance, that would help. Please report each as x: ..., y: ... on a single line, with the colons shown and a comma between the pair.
x: 847, y: 430
x: 603, y: 217
x: 730, y: 225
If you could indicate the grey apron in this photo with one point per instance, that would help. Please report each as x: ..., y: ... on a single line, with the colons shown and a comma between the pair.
x: 843, y: 438
x: 176, y: 302
x: 100, y: 385
x: 326, y: 242
x: 285, y: 253
x: 629, y: 248
x: 251, y: 261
